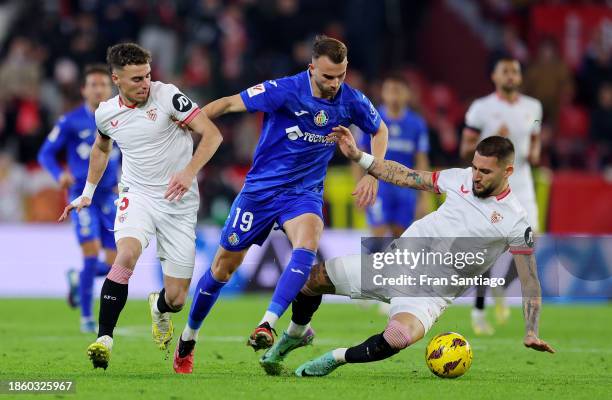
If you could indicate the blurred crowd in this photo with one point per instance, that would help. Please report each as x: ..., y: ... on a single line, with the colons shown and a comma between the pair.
x: 212, y: 48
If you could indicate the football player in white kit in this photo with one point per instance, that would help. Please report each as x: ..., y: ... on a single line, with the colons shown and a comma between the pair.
x: 507, y: 113
x: 158, y: 189
x: 479, y: 204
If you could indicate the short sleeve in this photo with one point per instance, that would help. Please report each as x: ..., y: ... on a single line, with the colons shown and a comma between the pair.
x: 446, y: 178
x: 422, y: 145
x: 178, y: 104
x: 473, y: 117
x: 364, y: 114
x: 267, y: 96
x: 521, y: 240
x: 98, y: 114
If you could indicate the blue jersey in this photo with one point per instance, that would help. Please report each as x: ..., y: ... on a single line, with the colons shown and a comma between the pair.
x: 76, y: 132
x: 293, y: 151
x: 407, y: 136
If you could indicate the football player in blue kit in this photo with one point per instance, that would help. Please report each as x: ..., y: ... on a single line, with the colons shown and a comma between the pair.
x: 75, y: 133
x: 285, y: 183
x: 397, y: 207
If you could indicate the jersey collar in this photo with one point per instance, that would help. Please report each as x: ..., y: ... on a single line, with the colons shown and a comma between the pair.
x: 503, y: 194
x: 121, y: 103
x: 502, y: 99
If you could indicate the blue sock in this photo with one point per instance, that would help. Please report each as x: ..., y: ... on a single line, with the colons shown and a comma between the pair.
x: 206, y: 294
x: 86, y: 281
x: 102, y: 268
x: 291, y: 280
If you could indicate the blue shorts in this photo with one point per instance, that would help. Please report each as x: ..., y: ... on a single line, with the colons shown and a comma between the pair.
x: 252, y: 217
x: 394, y: 206
x: 97, y: 221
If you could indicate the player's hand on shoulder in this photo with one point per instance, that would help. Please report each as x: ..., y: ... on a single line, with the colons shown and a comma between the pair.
x: 346, y: 142
x: 66, y: 180
x: 536, y: 343
x: 366, y: 190
x: 79, y: 203
x: 179, y: 185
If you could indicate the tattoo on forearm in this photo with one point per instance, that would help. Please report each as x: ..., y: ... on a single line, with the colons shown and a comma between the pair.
x: 532, y: 300
x: 397, y: 174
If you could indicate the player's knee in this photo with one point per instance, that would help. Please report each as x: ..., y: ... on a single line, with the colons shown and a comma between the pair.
x: 397, y: 335
x: 224, y: 266
x: 90, y: 248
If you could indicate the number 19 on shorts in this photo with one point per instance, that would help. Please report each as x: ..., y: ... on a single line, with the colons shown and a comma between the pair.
x: 246, y: 220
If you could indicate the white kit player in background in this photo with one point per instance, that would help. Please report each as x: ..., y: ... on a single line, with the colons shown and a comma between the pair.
x: 480, y: 208
x: 507, y: 113
x: 158, y: 190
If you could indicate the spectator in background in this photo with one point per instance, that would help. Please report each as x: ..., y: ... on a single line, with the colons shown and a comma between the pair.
x: 601, y: 125
x: 596, y: 69
x: 13, y: 189
x: 548, y: 78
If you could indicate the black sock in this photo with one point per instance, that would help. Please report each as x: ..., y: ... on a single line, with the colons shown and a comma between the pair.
x: 112, y: 300
x: 375, y: 348
x: 303, y: 308
x: 185, y: 347
x: 162, y: 306
x: 480, y: 302
x: 511, y: 275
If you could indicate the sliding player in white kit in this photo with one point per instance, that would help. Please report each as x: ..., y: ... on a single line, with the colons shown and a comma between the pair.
x: 158, y: 190
x: 507, y: 113
x: 479, y: 204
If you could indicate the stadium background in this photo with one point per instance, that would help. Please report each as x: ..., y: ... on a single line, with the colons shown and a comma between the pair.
x: 212, y: 48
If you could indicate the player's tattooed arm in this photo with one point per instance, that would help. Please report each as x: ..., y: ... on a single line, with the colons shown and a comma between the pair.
x: 388, y: 171
x: 532, y: 300
x: 400, y: 175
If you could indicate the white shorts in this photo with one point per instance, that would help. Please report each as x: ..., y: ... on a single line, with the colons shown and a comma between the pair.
x: 138, y: 217
x: 345, y: 274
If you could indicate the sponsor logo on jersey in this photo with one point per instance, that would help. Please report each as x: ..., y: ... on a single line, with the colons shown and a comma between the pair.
x: 295, y: 133
x: 152, y: 114
x: 233, y: 239
x: 496, y: 217
x: 115, y: 123
x: 464, y: 190
x: 255, y: 90
x: 321, y: 118
x: 273, y: 82
x: 181, y: 102
x: 122, y: 218
x: 300, y: 113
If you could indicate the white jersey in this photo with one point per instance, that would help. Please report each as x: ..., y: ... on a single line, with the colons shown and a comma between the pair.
x: 522, y: 118
x: 496, y: 223
x: 153, y: 146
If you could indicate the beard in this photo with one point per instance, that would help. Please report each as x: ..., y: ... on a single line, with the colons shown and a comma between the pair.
x: 326, y: 92
x: 483, y: 193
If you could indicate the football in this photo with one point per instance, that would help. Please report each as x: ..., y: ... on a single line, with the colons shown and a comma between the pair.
x: 448, y: 355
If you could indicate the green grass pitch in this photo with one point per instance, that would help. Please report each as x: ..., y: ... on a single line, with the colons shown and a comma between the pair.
x: 39, y: 339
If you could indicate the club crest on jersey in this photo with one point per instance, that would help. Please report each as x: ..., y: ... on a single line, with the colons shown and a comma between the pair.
x: 321, y: 118
x: 152, y: 114
x: 496, y: 217
x: 233, y: 239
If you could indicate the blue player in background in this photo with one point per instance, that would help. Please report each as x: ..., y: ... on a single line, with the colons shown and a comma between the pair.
x: 397, y: 207
x: 75, y: 133
x: 285, y: 184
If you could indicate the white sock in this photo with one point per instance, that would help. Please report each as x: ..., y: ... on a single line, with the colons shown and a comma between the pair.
x: 86, y: 319
x: 295, y: 330
x: 189, y: 334
x: 339, y: 354
x: 270, y: 318
x: 477, y: 314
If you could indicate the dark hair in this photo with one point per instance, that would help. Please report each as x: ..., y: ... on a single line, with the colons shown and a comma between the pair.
x: 396, y: 77
x: 332, y: 48
x: 122, y: 54
x: 94, y: 69
x: 496, y: 146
